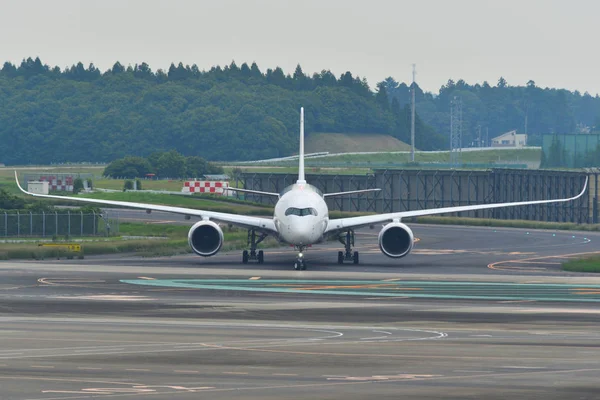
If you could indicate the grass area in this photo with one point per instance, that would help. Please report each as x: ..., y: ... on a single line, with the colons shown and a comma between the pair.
x: 147, y: 184
x: 173, y: 240
x: 196, y: 202
x: 96, y: 170
x: 353, y: 142
x: 477, y: 157
x: 506, y: 223
x: 588, y: 264
x: 7, y: 174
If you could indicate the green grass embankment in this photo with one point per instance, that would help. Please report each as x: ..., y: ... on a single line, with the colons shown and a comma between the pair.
x: 588, y: 264
x: 477, y: 157
x: 352, y: 142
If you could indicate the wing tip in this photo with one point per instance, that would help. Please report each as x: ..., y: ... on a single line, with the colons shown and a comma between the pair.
x: 18, y: 184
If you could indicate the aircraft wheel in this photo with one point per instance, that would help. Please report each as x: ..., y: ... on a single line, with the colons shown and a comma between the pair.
x: 340, y: 257
x: 261, y: 257
x: 355, y: 257
x: 245, y: 257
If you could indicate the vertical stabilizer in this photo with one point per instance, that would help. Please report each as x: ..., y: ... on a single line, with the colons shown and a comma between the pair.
x: 301, y: 178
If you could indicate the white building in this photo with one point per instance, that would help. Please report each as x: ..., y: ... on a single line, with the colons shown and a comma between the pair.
x: 510, y: 139
x: 38, y: 187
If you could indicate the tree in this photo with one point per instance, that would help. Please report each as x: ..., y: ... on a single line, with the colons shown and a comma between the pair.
x: 171, y: 164
x: 276, y: 77
x: 128, y: 167
x: 245, y: 71
x: 117, y: 68
x: 77, y: 185
x: 10, y: 202
x: 143, y: 71
x: 301, y: 81
x: 9, y: 69
x: 195, y: 166
x: 381, y: 97
x: 255, y: 71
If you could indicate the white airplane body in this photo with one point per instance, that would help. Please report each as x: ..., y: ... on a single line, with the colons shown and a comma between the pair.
x: 301, y: 218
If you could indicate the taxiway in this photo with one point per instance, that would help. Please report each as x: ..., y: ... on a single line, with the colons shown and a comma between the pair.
x: 474, y: 313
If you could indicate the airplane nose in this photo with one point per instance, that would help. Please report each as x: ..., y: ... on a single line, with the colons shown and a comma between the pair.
x: 302, y: 233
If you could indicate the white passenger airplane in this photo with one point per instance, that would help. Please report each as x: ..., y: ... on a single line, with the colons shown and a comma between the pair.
x: 301, y: 218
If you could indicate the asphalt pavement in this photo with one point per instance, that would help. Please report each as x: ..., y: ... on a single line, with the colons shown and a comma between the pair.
x: 474, y: 313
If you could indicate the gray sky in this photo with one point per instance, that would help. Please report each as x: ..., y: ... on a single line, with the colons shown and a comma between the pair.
x: 549, y: 41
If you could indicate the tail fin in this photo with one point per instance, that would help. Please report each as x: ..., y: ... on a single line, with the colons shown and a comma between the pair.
x: 301, y: 178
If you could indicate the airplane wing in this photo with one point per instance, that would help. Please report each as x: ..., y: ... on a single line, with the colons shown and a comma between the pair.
x: 350, y: 192
x: 262, y: 224
x: 342, y: 224
x: 232, y: 189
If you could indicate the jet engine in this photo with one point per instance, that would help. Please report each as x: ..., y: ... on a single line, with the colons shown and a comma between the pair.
x: 205, y: 238
x: 396, y: 240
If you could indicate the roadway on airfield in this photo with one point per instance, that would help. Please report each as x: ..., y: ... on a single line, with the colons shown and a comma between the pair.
x: 474, y: 313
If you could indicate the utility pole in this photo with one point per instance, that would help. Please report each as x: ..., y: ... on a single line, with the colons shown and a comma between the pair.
x: 412, y: 119
x: 487, y: 134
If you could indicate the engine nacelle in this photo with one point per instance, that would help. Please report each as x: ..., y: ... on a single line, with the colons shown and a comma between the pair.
x: 396, y: 240
x: 205, y: 238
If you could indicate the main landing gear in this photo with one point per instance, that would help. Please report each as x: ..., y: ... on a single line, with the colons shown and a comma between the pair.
x: 347, y: 239
x: 253, y: 241
x: 300, y: 264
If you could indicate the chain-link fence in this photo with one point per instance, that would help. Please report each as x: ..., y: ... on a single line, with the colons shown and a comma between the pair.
x: 56, y: 224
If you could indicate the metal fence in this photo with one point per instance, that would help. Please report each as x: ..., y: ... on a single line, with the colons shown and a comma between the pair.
x: 571, y: 150
x: 56, y: 224
x: 404, y: 190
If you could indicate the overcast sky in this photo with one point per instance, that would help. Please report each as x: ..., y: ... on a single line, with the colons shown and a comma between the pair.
x: 552, y: 42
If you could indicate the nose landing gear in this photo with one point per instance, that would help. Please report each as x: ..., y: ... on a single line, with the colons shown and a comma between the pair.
x: 300, y: 264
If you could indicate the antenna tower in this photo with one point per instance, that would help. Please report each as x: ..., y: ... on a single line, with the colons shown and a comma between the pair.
x: 412, y: 119
x: 455, y: 131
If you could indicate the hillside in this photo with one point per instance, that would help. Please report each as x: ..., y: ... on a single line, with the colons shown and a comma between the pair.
x: 353, y: 142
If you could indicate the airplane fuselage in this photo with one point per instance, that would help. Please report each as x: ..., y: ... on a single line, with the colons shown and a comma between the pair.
x: 301, y: 215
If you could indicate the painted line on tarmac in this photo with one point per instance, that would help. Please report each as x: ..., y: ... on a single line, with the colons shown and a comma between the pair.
x: 498, y: 265
x: 413, y: 289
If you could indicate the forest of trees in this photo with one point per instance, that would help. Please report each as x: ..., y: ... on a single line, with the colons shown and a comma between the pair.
x: 49, y: 115
x: 500, y: 108
x: 168, y: 164
x: 79, y: 113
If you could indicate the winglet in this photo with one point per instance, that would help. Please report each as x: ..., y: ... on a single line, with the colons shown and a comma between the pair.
x: 301, y: 178
x: 18, y: 184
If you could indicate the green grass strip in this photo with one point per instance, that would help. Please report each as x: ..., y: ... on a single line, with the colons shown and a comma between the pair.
x: 587, y: 264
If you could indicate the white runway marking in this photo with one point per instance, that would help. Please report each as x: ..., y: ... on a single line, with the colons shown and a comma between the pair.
x: 378, y: 337
x: 106, y: 297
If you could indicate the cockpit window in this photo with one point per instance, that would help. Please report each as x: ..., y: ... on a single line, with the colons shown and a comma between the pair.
x: 301, y: 212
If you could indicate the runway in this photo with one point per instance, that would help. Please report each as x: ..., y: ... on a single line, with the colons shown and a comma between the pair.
x: 474, y: 313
